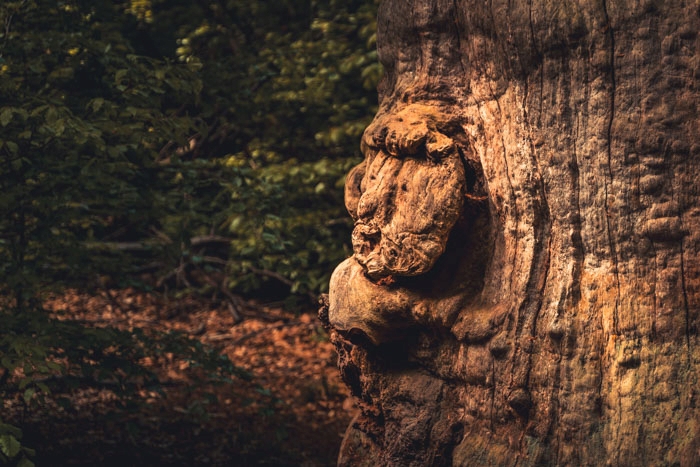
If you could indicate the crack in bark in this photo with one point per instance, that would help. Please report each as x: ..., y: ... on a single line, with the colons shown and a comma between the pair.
x: 459, y: 43
x: 683, y: 285
x: 540, y: 56
x: 546, y: 217
x: 654, y: 309
x: 576, y: 237
x: 493, y: 396
x: 555, y: 405
x: 498, y: 40
x: 685, y: 303
x: 613, y: 251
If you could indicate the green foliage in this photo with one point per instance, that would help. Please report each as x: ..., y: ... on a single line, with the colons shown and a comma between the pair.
x: 83, y: 119
x: 12, y: 452
x: 245, y: 130
x: 288, y: 90
x: 132, y: 130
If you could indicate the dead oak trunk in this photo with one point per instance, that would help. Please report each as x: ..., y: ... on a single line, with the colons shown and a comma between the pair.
x: 525, y: 287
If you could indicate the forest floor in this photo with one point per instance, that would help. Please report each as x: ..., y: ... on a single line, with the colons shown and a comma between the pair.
x: 292, y: 412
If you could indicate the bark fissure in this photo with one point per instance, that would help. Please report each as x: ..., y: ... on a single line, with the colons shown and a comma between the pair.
x: 555, y: 404
x: 579, y: 253
x: 541, y: 234
x: 613, y: 250
x: 492, y: 411
x: 453, y: 14
x: 655, y: 270
x: 497, y: 37
x: 685, y: 300
x: 539, y: 56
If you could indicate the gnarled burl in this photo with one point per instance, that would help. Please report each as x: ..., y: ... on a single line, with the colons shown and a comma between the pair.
x: 405, y: 198
x: 407, y: 194
x: 525, y: 283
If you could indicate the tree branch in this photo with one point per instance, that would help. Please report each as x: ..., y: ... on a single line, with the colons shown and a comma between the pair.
x: 199, y: 240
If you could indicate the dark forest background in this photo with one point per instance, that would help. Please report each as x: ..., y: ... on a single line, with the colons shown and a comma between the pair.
x: 189, y: 150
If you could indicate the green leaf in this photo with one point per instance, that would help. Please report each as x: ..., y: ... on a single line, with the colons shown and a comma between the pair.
x: 97, y: 104
x: 6, y: 429
x: 59, y: 127
x: 28, y: 394
x: 24, y: 382
x: 5, y: 116
x: 9, y: 445
x: 7, y: 362
x: 24, y: 462
x: 54, y: 366
x: 51, y: 115
x: 268, y: 237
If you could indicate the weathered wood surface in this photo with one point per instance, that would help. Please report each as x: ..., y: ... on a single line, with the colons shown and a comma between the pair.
x: 525, y: 287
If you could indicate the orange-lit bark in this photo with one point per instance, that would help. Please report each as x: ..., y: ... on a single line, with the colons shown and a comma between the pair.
x: 554, y: 319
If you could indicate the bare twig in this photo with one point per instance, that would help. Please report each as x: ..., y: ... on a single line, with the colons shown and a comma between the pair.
x: 162, y: 235
x: 338, y: 221
x: 234, y: 303
x: 214, y: 260
x: 272, y: 274
x: 245, y: 337
x: 147, y: 245
x: 8, y: 22
x: 180, y: 275
x: 118, y: 246
x: 207, y: 239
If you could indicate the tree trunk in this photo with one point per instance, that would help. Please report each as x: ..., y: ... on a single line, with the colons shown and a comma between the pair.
x: 525, y: 284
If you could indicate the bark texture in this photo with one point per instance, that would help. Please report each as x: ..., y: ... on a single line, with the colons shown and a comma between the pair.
x: 525, y: 287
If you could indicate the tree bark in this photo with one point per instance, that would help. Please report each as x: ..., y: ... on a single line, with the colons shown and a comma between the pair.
x: 525, y: 284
